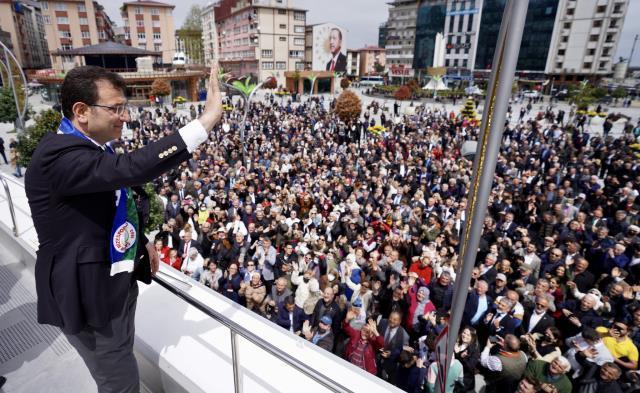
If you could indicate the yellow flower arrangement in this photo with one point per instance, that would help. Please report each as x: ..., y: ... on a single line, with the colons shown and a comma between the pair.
x: 179, y: 100
x: 592, y: 113
x: 227, y: 108
x: 377, y: 129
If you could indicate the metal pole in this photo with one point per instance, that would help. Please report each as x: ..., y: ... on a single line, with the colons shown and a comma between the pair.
x: 633, y: 48
x: 234, y: 361
x: 498, y: 93
x: 19, y: 122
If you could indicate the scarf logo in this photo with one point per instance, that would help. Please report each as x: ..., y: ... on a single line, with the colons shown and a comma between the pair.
x: 124, y: 237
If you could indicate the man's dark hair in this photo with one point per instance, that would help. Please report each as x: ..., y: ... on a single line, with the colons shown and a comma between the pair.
x: 80, y: 86
x: 339, y: 32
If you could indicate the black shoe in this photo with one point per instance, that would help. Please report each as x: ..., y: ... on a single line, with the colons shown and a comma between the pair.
x: 2, y: 381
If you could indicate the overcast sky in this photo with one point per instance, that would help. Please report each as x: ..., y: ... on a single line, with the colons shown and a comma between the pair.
x: 361, y: 18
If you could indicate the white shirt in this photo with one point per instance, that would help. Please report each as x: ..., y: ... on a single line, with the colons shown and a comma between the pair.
x: 535, y: 318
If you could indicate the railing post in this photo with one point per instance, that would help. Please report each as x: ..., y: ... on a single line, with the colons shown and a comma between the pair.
x: 234, y: 362
x: 11, y: 208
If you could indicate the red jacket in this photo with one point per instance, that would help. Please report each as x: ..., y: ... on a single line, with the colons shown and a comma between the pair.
x: 374, y: 344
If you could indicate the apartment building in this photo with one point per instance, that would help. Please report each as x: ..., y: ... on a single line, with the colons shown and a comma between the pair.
x: 209, y: 34
x: 400, y: 38
x: 24, y: 26
x: 149, y: 25
x: 73, y: 24
x: 260, y: 37
x: 585, y: 38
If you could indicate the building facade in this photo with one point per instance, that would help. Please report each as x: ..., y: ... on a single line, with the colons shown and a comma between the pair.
x: 400, y: 40
x: 262, y: 38
x: 372, y: 60
x: 585, y: 39
x: 73, y: 24
x: 382, y: 35
x: 149, y: 26
x: 353, y: 62
x: 23, y: 23
x: 209, y: 34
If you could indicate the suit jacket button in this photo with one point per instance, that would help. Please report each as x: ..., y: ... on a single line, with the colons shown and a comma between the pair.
x: 174, y: 148
x: 161, y: 155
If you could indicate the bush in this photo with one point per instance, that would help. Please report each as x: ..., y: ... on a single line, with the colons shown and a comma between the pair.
x: 344, y: 83
x: 348, y: 106
x: 270, y: 83
x: 403, y: 93
x: 46, y: 121
x: 8, y: 111
x: 160, y: 87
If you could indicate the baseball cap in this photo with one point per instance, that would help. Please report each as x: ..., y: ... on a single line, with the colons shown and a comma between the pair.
x: 357, y: 303
x: 501, y: 276
x: 326, y: 320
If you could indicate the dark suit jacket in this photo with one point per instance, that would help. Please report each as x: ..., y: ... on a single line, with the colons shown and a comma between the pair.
x: 471, y: 306
x: 284, y: 321
x: 542, y: 325
x: 400, y: 339
x: 194, y: 244
x: 341, y: 63
x: 507, y: 325
x: 70, y: 186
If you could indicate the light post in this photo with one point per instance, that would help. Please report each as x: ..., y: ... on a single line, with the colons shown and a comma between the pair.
x: 8, y: 61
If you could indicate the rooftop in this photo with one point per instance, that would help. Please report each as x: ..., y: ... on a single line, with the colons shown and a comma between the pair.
x: 105, y: 48
x: 147, y: 3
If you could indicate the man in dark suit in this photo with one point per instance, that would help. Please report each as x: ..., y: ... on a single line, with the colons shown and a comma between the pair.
x: 395, y: 338
x: 539, y: 319
x: 477, y: 305
x: 501, y: 322
x: 338, y: 60
x: 75, y: 186
x: 173, y: 208
x: 186, y: 244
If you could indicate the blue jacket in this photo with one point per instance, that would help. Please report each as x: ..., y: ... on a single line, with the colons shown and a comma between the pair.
x: 284, y: 321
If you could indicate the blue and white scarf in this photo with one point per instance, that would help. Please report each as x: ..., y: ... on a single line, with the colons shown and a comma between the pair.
x: 124, y: 231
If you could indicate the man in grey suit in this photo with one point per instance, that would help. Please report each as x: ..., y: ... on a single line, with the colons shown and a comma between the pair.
x: 395, y: 338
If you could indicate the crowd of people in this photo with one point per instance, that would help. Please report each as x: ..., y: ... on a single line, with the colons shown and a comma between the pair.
x: 350, y: 240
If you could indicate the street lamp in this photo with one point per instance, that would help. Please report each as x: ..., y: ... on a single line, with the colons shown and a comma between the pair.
x: 10, y: 65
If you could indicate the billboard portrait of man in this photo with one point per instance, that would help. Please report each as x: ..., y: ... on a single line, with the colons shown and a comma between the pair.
x: 338, y: 60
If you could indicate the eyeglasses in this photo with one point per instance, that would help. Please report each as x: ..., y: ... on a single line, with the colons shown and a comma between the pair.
x: 541, y: 305
x: 118, y: 110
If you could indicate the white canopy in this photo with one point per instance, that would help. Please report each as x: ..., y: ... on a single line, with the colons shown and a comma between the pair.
x: 473, y: 90
x: 436, y: 84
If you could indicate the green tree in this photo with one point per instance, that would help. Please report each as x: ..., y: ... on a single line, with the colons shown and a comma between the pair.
x: 378, y: 68
x: 156, y: 214
x: 194, y: 18
x: 46, y: 121
x: 619, y: 92
x: 8, y: 110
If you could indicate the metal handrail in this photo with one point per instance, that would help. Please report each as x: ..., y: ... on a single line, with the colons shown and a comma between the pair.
x: 238, y: 330
x: 10, y: 201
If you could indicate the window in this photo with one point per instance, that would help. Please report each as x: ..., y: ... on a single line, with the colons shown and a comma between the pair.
x: 298, y: 29
x: 590, y: 52
x: 283, y: 38
x: 283, y: 26
x: 140, y: 23
x: 64, y: 34
x: 586, y: 65
x: 138, y: 10
x: 596, y: 23
x: 127, y: 36
x: 570, y: 11
x: 102, y: 35
x: 298, y: 41
x: 142, y: 45
x: 593, y: 38
x: 296, y: 53
x: 603, y: 64
x: 267, y: 53
x: 86, y: 34
x: 157, y: 47
x: 558, y: 65
x: 567, y: 25
x: 267, y: 65
x: 82, y: 8
x: 298, y: 15
x: 155, y: 23
x: 157, y: 36
x: 561, y: 52
x: 84, y: 21
x: 299, y: 66
x: 61, y: 7
x: 46, y: 19
x: 62, y: 20
x: 566, y: 38
x: 44, y: 5
x: 155, y: 11
x: 142, y: 36
x: 282, y: 12
x: 281, y: 65
x: 66, y: 47
x: 601, y: 8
